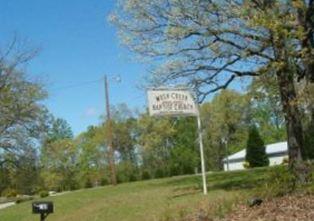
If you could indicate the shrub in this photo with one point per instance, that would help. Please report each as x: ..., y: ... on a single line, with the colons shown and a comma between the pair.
x: 104, y: 181
x: 246, y: 165
x: 145, y: 175
x: 43, y: 194
x: 285, y: 161
x: 88, y: 183
x: 132, y: 178
x: 9, y: 193
x: 159, y: 173
x: 23, y: 199
x: 280, y: 182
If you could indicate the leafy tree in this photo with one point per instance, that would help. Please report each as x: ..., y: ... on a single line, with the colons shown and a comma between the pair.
x: 58, y: 129
x: 184, y: 152
x: 265, y: 109
x: 91, y: 157
x: 255, y: 149
x: 21, y: 114
x: 59, y: 159
x: 155, y: 142
x: 210, y: 44
x: 22, y: 119
x: 225, y: 123
x: 59, y: 156
x: 125, y: 140
x: 93, y: 150
x: 26, y: 177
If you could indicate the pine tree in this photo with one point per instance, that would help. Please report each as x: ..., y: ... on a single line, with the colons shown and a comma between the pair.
x: 255, y: 149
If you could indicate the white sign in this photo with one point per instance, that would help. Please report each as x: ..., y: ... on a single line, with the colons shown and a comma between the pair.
x: 171, y: 102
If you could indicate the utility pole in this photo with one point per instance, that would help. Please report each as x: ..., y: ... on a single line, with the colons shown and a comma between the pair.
x: 110, y: 136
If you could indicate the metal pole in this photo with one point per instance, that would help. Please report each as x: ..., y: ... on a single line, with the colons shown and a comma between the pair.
x: 110, y: 136
x: 42, y: 217
x: 200, y: 137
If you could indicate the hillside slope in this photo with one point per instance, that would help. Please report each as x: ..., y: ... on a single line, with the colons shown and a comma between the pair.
x: 147, y: 200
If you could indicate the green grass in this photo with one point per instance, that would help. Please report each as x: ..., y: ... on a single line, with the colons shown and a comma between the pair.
x: 142, y: 201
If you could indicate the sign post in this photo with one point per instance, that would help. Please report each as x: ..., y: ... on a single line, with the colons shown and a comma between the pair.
x: 177, y: 102
x: 43, y: 209
x: 200, y: 137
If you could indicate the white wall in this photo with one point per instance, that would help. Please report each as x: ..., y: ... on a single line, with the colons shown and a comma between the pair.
x: 276, y: 160
x: 234, y: 166
x: 239, y: 165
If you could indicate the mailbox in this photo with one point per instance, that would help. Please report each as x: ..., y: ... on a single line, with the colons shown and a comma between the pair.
x: 42, y: 207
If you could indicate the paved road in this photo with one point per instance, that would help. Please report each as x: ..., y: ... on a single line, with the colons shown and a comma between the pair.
x: 5, y: 205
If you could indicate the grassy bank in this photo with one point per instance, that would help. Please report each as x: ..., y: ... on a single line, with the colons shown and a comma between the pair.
x: 148, y: 200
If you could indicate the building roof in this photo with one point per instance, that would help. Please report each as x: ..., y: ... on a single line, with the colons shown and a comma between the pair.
x: 271, y: 149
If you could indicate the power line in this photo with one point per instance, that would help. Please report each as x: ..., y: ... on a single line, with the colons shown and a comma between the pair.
x: 76, y: 85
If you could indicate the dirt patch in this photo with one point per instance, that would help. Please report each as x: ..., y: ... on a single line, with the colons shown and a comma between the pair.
x: 298, y: 207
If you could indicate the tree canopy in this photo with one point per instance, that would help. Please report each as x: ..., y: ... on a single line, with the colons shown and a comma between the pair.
x: 208, y: 45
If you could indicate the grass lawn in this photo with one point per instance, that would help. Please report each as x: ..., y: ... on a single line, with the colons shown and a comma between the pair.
x: 151, y: 200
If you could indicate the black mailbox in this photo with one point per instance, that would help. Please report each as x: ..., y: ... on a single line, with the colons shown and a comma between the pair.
x: 42, y: 207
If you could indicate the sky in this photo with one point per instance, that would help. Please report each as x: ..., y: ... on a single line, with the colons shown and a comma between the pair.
x: 77, y: 48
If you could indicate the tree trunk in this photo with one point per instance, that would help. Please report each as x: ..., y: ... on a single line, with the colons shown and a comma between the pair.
x: 292, y: 117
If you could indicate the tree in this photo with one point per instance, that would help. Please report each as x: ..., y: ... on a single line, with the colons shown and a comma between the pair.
x: 58, y: 129
x: 265, y: 109
x: 225, y: 125
x: 26, y: 175
x: 255, y: 149
x: 91, y: 162
x: 59, y: 156
x: 21, y: 113
x: 155, y: 142
x: 60, y: 159
x: 184, y: 151
x: 22, y: 119
x: 210, y: 44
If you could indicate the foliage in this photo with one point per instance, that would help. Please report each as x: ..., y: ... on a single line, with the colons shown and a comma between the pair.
x: 155, y: 140
x: 246, y: 165
x: 184, y: 152
x: 208, y: 45
x: 22, y: 119
x: 9, y: 193
x: 285, y: 161
x: 23, y: 199
x: 309, y: 140
x: 43, y: 193
x: 225, y: 126
x: 282, y: 182
x: 59, y: 129
x: 91, y: 156
x: 145, y: 175
x: 59, y: 159
x: 265, y: 109
x: 255, y: 150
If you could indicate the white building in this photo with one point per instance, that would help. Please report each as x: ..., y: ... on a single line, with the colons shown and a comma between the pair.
x: 276, y: 153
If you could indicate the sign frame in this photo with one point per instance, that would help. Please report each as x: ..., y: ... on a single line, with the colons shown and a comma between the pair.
x: 198, y: 118
x: 174, y: 113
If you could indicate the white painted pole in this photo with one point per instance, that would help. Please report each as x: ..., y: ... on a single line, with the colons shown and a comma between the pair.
x: 200, y: 137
